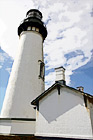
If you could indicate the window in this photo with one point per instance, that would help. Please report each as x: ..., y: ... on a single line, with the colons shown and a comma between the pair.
x: 41, y: 73
x: 29, y: 28
x: 37, y: 29
x: 33, y: 28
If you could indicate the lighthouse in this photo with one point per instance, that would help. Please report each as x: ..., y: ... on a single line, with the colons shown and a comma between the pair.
x: 27, y: 77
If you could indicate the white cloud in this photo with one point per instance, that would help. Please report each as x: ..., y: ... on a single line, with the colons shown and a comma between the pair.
x: 2, y: 28
x: 5, y: 61
x: 9, y: 70
x: 75, y: 28
x: 50, y: 78
x: 1, y: 58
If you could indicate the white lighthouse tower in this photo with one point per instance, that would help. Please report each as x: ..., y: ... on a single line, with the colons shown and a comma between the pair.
x: 27, y: 77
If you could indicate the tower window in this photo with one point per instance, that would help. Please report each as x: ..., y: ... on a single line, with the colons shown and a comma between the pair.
x: 33, y: 28
x: 41, y: 73
x: 37, y: 29
x: 29, y: 28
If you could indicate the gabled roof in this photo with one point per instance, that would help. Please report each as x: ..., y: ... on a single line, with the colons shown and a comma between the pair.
x: 58, y: 85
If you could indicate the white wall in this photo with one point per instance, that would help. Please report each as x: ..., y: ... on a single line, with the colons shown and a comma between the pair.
x: 90, y: 109
x: 63, y: 115
x: 24, y: 84
x: 17, y: 127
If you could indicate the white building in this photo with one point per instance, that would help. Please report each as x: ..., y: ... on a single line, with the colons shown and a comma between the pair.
x: 64, y: 112
x: 60, y: 111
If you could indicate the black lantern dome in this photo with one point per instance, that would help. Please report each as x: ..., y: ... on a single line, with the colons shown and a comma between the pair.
x: 33, y: 19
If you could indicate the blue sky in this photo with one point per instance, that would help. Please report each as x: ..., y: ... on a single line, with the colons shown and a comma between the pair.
x: 6, y: 65
x: 69, y: 42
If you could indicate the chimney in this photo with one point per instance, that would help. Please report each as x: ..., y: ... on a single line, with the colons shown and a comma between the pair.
x: 60, y: 75
x: 80, y: 88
